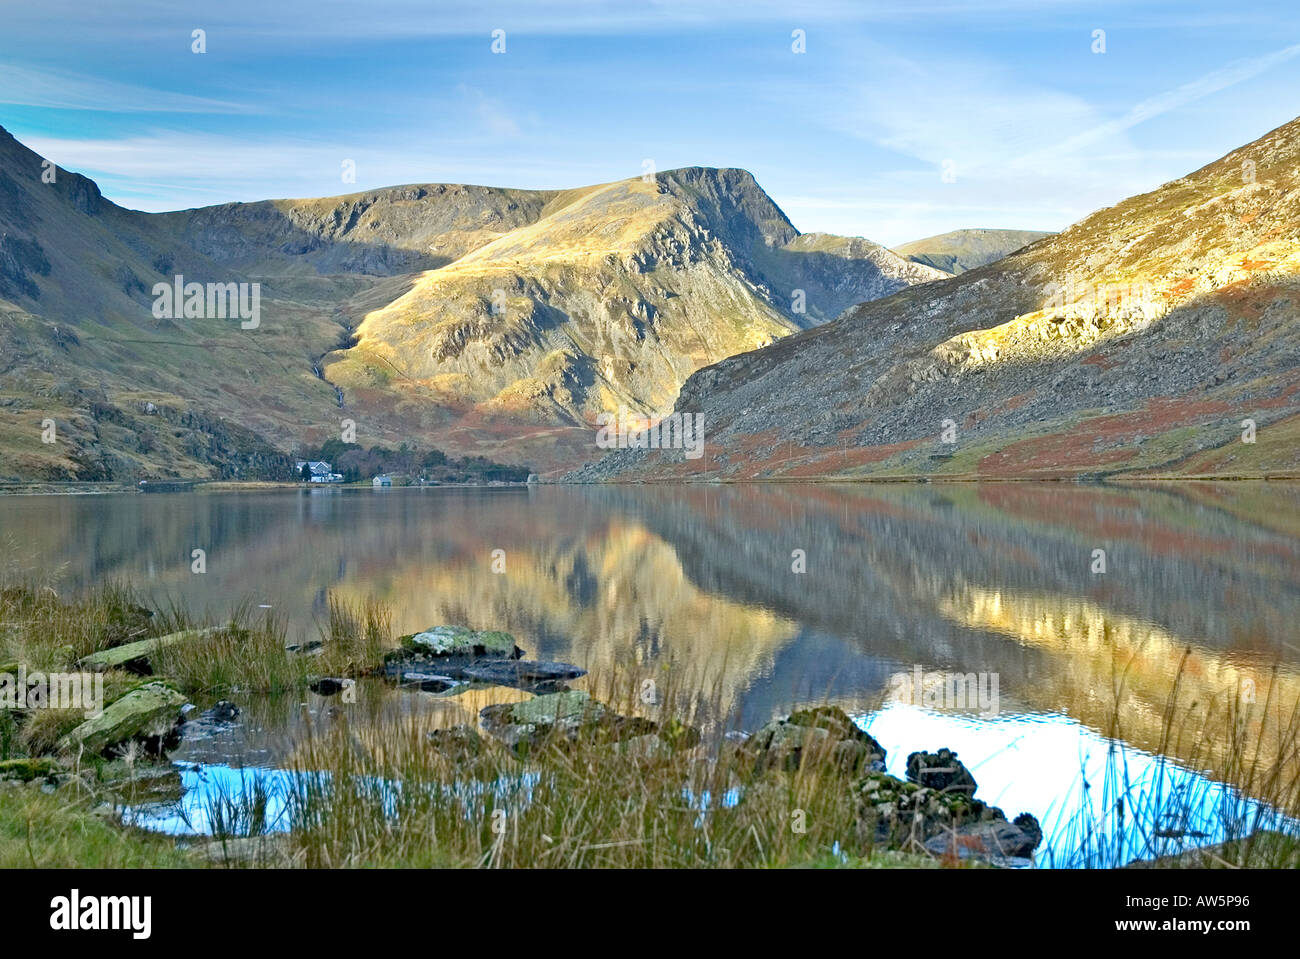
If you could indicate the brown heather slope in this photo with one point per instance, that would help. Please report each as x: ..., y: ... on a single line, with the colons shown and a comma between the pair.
x: 1135, y: 342
x: 473, y: 319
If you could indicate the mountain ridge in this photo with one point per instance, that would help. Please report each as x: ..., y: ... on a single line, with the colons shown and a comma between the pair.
x: 482, y: 320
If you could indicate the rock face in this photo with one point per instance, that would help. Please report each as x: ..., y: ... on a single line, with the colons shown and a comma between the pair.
x: 1138, y: 340
x: 823, y: 735
x: 523, y: 673
x: 149, y: 713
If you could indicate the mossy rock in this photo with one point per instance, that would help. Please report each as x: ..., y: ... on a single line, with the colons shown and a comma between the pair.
x: 25, y: 770
x: 905, y: 815
x: 941, y: 770
x: 825, y: 735
x: 135, y: 657
x: 462, y: 641
x: 149, y: 713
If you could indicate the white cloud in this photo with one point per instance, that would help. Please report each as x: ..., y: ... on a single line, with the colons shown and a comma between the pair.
x: 29, y: 87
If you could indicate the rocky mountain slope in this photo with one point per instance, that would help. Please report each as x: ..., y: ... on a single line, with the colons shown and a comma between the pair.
x: 1158, y: 335
x: 473, y: 319
x: 962, y: 250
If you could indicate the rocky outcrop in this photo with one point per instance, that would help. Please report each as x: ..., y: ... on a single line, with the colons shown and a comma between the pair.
x: 824, y: 735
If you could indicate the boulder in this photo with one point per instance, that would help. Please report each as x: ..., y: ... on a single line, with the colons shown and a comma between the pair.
x: 149, y: 713
x: 449, y: 651
x: 328, y: 685
x: 941, y: 770
x: 135, y: 657
x: 824, y: 735
x: 990, y: 841
x: 462, y: 641
x: 912, y: 817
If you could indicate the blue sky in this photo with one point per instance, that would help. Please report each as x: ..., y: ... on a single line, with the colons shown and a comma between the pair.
x: 850, y: 137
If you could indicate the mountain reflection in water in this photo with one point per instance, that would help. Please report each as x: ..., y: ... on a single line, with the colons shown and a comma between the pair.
x: 984, y: 579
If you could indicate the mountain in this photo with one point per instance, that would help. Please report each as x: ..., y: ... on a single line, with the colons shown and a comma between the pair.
x: 963, y: 250
x: 1137, y: 342
x: 472, y: 319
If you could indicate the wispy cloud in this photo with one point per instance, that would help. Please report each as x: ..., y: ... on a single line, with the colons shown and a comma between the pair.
x: 1213, y: 82
x: 30, y: 87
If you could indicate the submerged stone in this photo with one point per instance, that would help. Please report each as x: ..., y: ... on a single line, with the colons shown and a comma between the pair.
x: 428, y: 682
x: 149, y: 713
x: 990, y: 841
x: 522, y: 672
x: 571, y: 717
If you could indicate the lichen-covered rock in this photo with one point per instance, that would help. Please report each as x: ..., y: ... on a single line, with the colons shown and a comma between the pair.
x: 149, y: 713
x: 572, y: 705
x: 941, y: 770
x: 463, y: 641
x: 912, y: 817
x: 822, y: 735
x: 448, y: 652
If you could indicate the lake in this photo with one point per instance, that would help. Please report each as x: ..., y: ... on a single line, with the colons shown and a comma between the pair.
x: 1049, y: 602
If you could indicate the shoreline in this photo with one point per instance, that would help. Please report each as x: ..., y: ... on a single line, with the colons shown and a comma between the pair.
x: 75, y: 488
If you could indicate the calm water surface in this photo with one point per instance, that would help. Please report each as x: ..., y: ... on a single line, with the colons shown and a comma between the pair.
x: 999, y: 580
